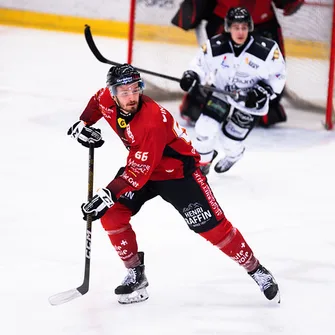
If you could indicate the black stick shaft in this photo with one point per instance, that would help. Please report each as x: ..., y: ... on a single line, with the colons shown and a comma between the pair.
x: 101, y: 58
x: 86, y: 283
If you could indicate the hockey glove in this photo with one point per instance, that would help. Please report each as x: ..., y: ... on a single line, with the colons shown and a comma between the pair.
x: 98, y: 205
x: 293, y: 7
x: 189, y: 80
x: 85, y: 134
x: 258, y: 96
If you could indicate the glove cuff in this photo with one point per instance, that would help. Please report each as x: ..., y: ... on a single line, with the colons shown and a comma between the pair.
x: 268, y: 88
x: 76, y: 129
x: 106, y: 197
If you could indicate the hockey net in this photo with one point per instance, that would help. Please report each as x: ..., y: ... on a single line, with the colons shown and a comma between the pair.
x: 309, y: 39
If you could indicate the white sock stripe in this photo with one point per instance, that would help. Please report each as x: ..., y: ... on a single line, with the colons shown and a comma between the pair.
x: 118, y: 231
x: 228, y: 239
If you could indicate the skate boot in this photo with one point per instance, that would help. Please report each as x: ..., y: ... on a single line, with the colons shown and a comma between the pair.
x: 133, y: 287
x: 226, y: 163
x: 266, y: 282
x: 206, y: 166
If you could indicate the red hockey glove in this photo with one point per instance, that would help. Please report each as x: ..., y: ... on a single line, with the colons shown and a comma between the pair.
x: 293, y: 7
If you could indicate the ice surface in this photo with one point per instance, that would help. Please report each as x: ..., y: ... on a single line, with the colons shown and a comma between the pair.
x: 281, y: 197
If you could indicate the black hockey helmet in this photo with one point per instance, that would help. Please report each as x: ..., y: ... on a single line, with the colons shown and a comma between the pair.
x: 240, y: 15
x: 123, y: 75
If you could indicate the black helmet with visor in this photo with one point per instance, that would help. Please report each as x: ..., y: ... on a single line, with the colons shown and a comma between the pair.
x: 123, y: 75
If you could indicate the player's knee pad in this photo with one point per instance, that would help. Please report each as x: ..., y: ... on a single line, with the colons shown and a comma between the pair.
x: 238, y: 126
x: 220, y: 234
x: 116, y: 218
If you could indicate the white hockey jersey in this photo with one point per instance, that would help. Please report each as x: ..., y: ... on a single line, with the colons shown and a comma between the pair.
x: 260, y: 60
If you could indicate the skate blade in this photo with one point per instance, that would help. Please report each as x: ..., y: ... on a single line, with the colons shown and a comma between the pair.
x: 134, y: 297
x: 275, y: 299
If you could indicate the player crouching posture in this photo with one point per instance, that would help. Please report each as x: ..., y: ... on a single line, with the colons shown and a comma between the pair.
x: 252, y: 66
x: 161, y: 162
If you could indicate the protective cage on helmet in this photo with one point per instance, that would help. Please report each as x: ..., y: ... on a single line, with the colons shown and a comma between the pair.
x: 123, y: 75
x: 238, y: 15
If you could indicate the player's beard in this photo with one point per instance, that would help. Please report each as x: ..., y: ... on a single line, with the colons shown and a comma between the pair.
x: 129, y: 107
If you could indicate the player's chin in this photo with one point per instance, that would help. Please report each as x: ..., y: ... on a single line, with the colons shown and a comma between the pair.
x: 132, y: 108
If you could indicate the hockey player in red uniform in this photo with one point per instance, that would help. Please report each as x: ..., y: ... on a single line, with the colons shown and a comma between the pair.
x: 266, y: 24
x: 161, y: 161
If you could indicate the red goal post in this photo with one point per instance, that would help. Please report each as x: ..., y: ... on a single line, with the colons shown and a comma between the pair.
x: 309, y: 39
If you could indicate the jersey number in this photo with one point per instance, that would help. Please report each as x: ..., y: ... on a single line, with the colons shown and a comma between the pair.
x: 142, y: 156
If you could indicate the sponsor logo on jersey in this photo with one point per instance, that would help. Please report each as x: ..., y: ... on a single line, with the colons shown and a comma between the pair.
x: 129, y: 179
x: 248, y: 82
x: 251, y: 63
x: 106, y: 111
x: 138, y: 168
x: 275, y: 54
x: 223, y: 62
x: 121, y: 122
x: 195, y: 215
x: 130, y: 134
x: 280, y: 76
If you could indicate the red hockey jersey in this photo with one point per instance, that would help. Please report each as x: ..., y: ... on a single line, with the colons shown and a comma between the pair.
x: 159, y: 148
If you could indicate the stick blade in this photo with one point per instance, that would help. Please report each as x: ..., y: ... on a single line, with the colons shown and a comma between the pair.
x: 63, y: 297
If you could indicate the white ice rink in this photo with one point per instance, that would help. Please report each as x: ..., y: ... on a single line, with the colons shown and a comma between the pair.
x: 280, y: 196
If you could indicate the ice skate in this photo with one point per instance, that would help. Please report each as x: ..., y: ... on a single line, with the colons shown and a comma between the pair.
x: 226, y: 163
x: 133, y: 287
x: 266, y: 283
x: 206, y: 166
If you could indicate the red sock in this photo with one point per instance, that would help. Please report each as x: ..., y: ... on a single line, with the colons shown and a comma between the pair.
x: 116, y: 223
x: 230, y: 241
x: 126, y: 246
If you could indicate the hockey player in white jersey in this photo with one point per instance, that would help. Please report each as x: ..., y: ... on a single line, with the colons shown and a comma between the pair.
x: 251, y: 66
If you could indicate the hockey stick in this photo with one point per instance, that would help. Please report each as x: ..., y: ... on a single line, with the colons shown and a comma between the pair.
x: 66, y: 296
x: 89, y: 39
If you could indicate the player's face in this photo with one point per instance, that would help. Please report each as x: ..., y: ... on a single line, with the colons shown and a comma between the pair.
x: 239, y: 32
x: 128, y: 97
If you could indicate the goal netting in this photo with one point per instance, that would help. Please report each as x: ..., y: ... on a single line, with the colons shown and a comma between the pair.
x: 308, y: 37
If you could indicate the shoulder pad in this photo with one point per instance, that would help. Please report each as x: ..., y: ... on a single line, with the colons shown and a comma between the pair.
x: 219, y: 45
x: 261, y: 47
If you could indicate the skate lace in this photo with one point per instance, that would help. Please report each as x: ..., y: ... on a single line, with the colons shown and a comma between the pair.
x: 264, y: 280
x: 130, y: 278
